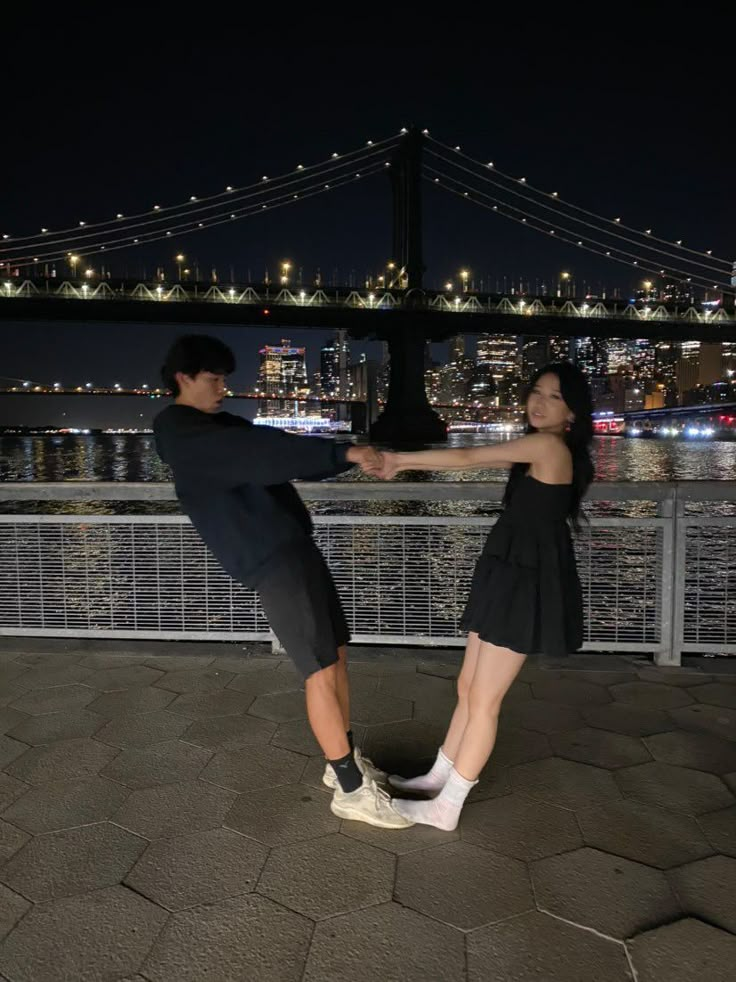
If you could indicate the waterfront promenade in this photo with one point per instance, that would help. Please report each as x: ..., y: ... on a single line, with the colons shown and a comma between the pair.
x: 162, y: 818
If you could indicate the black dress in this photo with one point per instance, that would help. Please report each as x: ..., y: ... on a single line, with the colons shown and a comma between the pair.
x: 525, y: 593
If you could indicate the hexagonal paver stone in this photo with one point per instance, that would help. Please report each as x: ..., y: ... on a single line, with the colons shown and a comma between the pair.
x: 492, y: 783
x: 266, y: 682
x: 195, y: 705
x: 701, y: 717
x: 618, y: 717
x: 442, y: 669
x: 380, y: 937
x: 112, y: 659
x: 277, y: 816
x: 599, y: 747
x: 59, y: 699
x: 327, y: 876
x: 651, y: 695
x: 371, y: 708
x: 45, y: 676
x: 564, y: 782
x: 519, y: 827
x: 685, y: 951
x: 400, y: 748
x: 241, y: 938
x: 10, y: 718
x: 642, y: 833
x: 162, y: 763
x: 229, y: 732
x: 198, y: 869
x: 519, y: 746
x: 544, y: 717
x: 40, y: 730
x: 12, y: 908
x: 11, y: 840
x: 102, y: 935
x: 398, y: 841
x: 12, y: 671
x: 607, y: 893
x: 536, y: 947
x: 254, y: 768
x: 64, y: 804
x: 297, y: 736
x: 685, y: 677
x: 10, y: 790
x: 66, y: 760
x: 142, y: 729
x: 699, y: 750
x: 418, y: 687
x: 705, y: 889
x: 714, y: 693
x: 720, y: 830
x: 463, y: 885
x: 677, y: 788
x: 280, y: 707
x: 129, y: 677
x: 51, y: 658
x: 10, y: 749
x: 179, y: 663
x: 206, y: 680
x: 245, y: 664
x: 175, y: 809
x: 126, y: 701
x: 61, y: 864
x: 566, y: 692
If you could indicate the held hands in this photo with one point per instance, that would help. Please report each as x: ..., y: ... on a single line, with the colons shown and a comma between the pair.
x: 374, y: 463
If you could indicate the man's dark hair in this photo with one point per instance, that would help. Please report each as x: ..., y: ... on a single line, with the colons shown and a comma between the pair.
x: 195, y: 353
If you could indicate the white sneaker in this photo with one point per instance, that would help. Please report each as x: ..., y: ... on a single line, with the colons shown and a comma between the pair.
x: 364, y: 764
x: 369, y: 804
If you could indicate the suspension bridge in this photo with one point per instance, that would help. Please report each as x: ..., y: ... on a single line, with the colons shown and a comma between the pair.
x: 398, y: 308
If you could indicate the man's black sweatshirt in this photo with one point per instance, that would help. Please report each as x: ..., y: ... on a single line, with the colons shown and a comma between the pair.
x: 231, y: 478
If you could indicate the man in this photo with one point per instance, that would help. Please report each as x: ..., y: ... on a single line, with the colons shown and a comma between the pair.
x: 232, y: 479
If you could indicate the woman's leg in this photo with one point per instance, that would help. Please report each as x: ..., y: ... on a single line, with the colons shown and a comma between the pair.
x: 496, y: 669
x: 433, y: 781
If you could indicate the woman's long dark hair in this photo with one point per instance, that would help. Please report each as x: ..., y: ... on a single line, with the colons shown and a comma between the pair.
x: 576, y: 394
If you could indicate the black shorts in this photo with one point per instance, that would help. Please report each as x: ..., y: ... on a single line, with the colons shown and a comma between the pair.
x: 299, y: 598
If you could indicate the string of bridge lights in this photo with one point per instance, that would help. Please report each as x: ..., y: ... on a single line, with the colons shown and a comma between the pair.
x: 270, y: 202
x: 659, y: 253
x: 446, y: 184
x: 486, y: 169
x: 561, y: 232
x: 196, y: 204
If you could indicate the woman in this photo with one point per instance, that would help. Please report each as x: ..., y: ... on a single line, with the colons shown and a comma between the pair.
x: 525, y: 596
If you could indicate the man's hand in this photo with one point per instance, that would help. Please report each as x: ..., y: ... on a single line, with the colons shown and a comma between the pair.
x: 389, y: 466
x: 368, y: 459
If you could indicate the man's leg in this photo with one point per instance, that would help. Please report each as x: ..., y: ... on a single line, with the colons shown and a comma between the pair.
x: 343, y: 685
x: 325, y: 710
x: 296, y: 600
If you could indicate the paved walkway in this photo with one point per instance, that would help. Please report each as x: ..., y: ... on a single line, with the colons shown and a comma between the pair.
x: 162, y: 819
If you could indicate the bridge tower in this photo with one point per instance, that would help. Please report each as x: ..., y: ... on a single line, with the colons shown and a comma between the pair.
x: 407, y: 416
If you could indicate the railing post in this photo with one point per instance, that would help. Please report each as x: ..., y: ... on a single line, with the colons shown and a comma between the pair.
x: 669, y: 652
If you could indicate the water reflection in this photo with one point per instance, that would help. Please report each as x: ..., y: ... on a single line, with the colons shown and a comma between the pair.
x: 132, y: 457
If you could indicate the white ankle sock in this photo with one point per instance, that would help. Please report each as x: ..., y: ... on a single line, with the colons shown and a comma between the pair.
x: 443, y: 812
x: 432, y: 782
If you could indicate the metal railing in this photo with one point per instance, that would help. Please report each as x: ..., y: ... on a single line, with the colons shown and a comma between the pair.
x: 656, y: 562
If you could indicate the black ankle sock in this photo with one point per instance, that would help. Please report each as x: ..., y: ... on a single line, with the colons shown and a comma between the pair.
x: 347, y: 773
x: 351, y: 741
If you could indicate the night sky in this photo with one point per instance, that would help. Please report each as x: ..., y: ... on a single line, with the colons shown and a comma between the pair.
x: 134, y: 119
